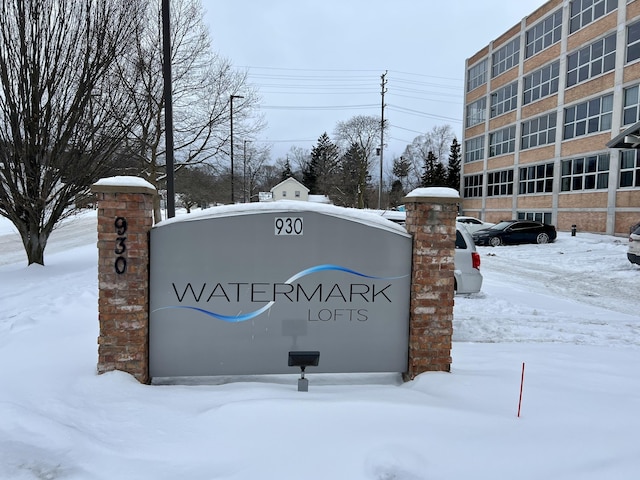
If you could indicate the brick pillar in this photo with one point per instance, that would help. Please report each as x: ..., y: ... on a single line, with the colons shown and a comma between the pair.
x: 125, y: 216
x: 431, y: 220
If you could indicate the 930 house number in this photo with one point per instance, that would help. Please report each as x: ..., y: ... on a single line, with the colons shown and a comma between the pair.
x: 288, y: 226
x: 120, y: 248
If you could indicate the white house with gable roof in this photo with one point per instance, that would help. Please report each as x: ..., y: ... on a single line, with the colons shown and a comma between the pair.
x: 290, y: 189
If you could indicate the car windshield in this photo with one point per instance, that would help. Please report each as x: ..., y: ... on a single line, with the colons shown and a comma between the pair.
x: 500, y: 226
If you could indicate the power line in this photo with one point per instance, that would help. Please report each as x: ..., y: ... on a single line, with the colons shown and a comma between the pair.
x: 317, y: 107
x: 422, y: 93
x: 423, y: 114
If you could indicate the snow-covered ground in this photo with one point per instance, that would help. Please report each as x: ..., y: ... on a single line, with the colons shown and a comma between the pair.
x: 568, y: 311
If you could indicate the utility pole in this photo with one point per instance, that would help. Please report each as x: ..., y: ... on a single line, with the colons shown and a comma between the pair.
x: 383, y: 85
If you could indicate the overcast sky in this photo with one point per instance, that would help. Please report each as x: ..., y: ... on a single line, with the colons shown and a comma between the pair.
x: 318, y: 63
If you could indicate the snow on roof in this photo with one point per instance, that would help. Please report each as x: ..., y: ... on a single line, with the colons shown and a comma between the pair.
x: 294, y: 206
x: 124, y: 181
x: 319, y: 199
x: 444, y: 192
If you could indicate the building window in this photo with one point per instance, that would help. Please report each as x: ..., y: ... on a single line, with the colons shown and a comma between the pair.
x: 500, y: 183
x: 297, y: 194
x: 541, y: 83
x: 631, y: 105
x: 284, y: 193
x: 502, y: 141
x: 544, y: 34
x: 472, y: 186
x: 536, y: 179
x: 583, y: 12
x: 504, y: 100
x: 585, y: 173
x: 539, y: 131
x: 544, y: 217
x: 474, y: 149
x: 629, y: 169
x: 594, y: 59
x: 633, y: 42
x: 477, y: 75
x: 588, y: 117
x: 476, y: 112
x: 505, y: 57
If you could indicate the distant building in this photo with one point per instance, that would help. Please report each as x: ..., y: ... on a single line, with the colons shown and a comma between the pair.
x: 265, y: 197
x: 290, y: 189
x: 541, y: 103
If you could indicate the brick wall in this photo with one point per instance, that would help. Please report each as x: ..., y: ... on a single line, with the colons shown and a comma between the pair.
x: 431, y: 222
x: 125, y: 216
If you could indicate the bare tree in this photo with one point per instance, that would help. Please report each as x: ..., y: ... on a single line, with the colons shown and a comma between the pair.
x: 268, y: 177
x: 58, y: 107
x: 361, y: 136
x: 436, y: 141
x: 203, y: 83
x: 253, y: 171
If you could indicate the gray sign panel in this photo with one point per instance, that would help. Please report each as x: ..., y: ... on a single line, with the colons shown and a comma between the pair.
x: 233, y: 292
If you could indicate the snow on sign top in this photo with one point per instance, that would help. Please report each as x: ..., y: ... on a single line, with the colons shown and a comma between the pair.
x: 291, y: 206
x: 443, y: 192
x: 124, y: 181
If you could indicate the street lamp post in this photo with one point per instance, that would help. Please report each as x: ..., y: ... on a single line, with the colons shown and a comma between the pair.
x: 244, y: 172
x: 231, y: 97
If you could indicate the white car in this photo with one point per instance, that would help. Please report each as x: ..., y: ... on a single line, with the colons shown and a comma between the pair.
x: 467, y: 276
x: 473, y: 224
x: 633, y: 254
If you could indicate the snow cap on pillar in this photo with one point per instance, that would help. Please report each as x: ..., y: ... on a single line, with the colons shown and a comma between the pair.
x: 123, y: 184
x: 432, y: 194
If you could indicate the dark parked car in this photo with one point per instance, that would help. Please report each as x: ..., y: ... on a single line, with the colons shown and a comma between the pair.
x: 515, y: 231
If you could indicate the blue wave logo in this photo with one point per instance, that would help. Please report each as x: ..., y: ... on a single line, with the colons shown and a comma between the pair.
x: 248, y: 316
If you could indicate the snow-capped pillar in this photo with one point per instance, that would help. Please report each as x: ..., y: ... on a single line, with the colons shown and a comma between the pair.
x: 431, y: 220
x: 125, y: 216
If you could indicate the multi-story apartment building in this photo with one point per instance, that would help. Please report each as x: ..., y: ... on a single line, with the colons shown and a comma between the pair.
x: 541, y: 103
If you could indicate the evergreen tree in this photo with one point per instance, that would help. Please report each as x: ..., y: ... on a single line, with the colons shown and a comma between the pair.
x: 453, y: 168
x: 349, y: 190
x: 439, y: 175
x: 397, y: 193
x: 322, y: 167
x: 401, y: 168
x: 429, y: 170
x: 364, y: 132
x: 310, y: 177
x: 286, y: 171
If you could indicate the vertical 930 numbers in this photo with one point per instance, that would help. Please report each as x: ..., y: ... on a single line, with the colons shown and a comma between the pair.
x: 121, y: 229
x: 288, y: 226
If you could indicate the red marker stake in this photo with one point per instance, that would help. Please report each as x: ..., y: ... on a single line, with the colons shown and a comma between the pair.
x: 521, y: 384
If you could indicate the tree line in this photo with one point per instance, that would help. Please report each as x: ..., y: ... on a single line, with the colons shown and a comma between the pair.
x: 343, y: 168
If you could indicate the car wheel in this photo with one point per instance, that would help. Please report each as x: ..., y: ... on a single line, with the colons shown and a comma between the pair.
x: 495, y: 241
x: 542, y: 238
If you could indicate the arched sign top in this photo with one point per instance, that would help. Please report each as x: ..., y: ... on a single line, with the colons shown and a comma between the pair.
x: 366, y: 217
